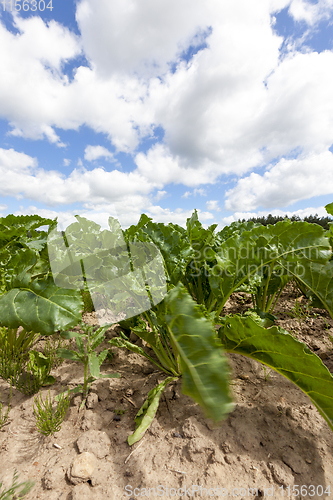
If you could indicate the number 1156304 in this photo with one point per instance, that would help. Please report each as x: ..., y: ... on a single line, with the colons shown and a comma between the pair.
x: 27, y: 5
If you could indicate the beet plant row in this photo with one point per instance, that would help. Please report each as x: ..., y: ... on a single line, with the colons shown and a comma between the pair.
x: 169, y: 285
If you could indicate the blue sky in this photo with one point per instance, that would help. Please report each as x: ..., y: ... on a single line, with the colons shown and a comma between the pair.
x: 131, y: 106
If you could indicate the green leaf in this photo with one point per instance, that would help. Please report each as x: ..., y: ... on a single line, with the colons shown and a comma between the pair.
x: 99, y: 336
x: 148, y: 410
x: 39, y: 306
x: 205, y: 371
x: 102, y: 355
x: 277, y: 349
x: 174, y: 246
x: 199, y: 237
x: 70, y: 334
x: 80, y: 346
x: 133, y: 230
x: 329, y: 208
x: 49, y: 380
x: 94, y: 365
x: 319, y: 279
x: 67, y: 354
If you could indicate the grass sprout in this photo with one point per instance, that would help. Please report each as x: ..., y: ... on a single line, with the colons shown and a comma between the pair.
x: 48, y: 420
x: 8, y: 494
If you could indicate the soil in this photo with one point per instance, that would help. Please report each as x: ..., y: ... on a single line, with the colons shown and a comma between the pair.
x: 274, y: 440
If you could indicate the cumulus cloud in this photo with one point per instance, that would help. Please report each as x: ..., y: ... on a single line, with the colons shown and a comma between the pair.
x: 14, y: 166
x: 160, y: 194
x: 213, y: 205
x: 142, y: 37
x: 195, y: 192
x: 21, y: 176
x: 311, y: 13
x: 92, y: 153
x: 285, y: 183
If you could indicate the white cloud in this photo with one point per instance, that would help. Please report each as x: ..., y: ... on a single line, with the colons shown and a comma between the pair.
x: 67, y: 162
x: 21, y: 176
x: 160, y: 194
x: 213, y: 205
x: 13, y: 166
x: 311, y: 13
x: 285, y: 183
x: 195, y: 192
x: 127, y: 37
x: 161, y: 167
x: 92, y: 153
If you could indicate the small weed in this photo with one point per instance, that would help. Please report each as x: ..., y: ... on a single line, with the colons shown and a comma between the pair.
x: 267, y: 373
x: 22, y: 366
x: 327, y: 328
x: 86, y: 343
x: 119, y: 412
x: 302, y: 313
x: 4, y: 416
x: 10, y: 493
x: 53, y: 343
x: 48, y: 421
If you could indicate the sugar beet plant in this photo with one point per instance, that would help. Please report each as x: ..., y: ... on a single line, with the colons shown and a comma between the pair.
x: 203, y: 270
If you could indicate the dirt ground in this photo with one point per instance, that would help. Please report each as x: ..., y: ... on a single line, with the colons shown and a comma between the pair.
x: 272, y: 444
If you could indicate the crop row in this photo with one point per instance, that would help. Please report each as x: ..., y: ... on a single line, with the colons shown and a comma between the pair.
x: 161, y: 282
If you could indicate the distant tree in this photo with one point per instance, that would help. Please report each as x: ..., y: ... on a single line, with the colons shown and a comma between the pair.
x: 273, y: 219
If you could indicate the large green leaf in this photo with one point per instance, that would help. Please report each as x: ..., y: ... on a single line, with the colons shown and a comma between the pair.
x: 205, y: 371
x: 38, y: 304
x: 278, y: 349
x: 235, y: 228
